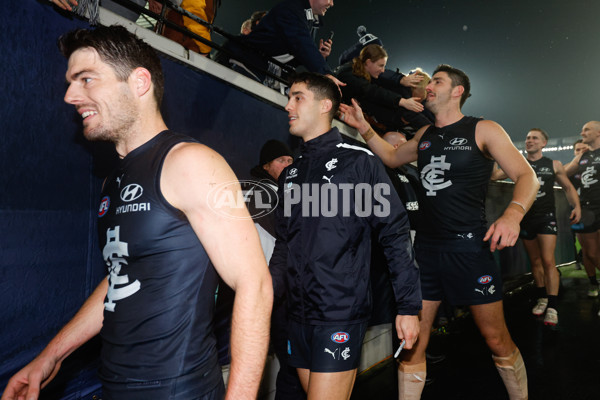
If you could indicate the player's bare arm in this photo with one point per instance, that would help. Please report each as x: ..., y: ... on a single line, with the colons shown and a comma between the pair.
x: 190, y: 172
x: 86, y: 324
x: 495, y: 142
x: 393, y: 158
x: 570, y: 192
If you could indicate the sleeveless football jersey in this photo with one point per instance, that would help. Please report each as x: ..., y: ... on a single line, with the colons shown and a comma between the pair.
x: 161, y: 296
x: 589, y: 169
x: 544, y: 200
x: 454, y: 180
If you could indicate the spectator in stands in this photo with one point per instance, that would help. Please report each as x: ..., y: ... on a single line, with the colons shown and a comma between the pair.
x: 274, y: 157
x: 539, y: 227
x: 364, y: 39
x: 246, y: 27
x: 286, y: 33
x: 587, y: 164
x: 389, y: 108
x: 108, y: 4
x: 251, y: 22
x: 203, y: 9
x: 255, y: 18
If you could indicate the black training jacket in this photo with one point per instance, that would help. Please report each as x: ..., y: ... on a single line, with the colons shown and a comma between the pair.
x: 330, y: 201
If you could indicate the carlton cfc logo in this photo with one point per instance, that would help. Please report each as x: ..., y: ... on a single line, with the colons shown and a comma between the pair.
x: 340, y: 337
x: 485, y: 279
x: 104, y: 204
x: 425, y: 145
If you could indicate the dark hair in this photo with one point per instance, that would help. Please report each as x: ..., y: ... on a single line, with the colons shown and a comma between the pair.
x: 120, y: 49
x: 322, y: 87
x: 458, y: 78
x: 255, y: 18
x: 577, y: 141
x: 540, y: 130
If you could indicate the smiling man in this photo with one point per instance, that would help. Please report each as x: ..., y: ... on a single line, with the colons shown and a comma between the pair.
x: 333, y: 199
x: 159, y: 235
x: 587, y: 166
x: 455, y: 159
x: 539, y: 228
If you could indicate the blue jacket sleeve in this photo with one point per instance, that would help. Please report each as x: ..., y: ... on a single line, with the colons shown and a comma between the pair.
x: 278, y: 262
x: 391, y: 227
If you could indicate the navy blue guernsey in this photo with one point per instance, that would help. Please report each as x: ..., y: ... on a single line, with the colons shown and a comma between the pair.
x: 544, y: 200
x: 454, y: 181
x: 160, y: 301
x: 589, y: 169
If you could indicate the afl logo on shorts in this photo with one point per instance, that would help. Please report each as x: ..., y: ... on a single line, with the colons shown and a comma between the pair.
x: 425, y: 145
x: 340, y: 337
x: 104, y: 204
x: 485, y: 279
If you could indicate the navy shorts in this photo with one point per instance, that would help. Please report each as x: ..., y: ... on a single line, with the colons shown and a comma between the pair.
x: 460, y: 278
x: 325, y: 348
x: 542, y: 224
x: 200, y: 385
x: 590, y: 220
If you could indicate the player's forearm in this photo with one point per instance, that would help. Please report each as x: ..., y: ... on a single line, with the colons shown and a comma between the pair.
x: 572, y: 196
x: 526, y: 188
x: 249, y: 337
x: 383, y: 149
x: 85, y: 325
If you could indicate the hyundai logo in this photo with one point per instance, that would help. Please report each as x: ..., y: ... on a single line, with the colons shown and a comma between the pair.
x: 293, y: 171
x: 458, y: 141
x: 131, y: 192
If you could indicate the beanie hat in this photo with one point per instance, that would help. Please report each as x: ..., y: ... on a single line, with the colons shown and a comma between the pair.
x: 273, y: 149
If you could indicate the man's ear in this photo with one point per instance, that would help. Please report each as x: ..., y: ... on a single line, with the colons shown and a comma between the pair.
x: 458, y: 90
x: 141, y: 81
x: 326, y: 105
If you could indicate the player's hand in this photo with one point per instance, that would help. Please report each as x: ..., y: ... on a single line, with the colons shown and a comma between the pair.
x: 504, y: 232
x: 575, y: 216
x: 65, y: 4
x: 353, y: 116
x: 412, y: 104
x: 27, y: 383
x: 325, y: 47
x: 408, y: 329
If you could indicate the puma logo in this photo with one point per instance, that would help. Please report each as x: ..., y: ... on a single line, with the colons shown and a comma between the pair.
x: 327, y: 179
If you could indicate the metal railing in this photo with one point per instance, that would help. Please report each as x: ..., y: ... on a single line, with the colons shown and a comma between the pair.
x: 162, y: 21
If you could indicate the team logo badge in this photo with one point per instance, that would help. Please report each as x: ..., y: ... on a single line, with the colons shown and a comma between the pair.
x: 331, y: 164
x: 292, y: 173
x: 425, y: 145
x: 104, y: 204
x: 340, y: 337
x: 485, y: 279
x: 583, y: 162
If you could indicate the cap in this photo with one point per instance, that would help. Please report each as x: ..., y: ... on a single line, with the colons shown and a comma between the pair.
x: 273, y: 149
